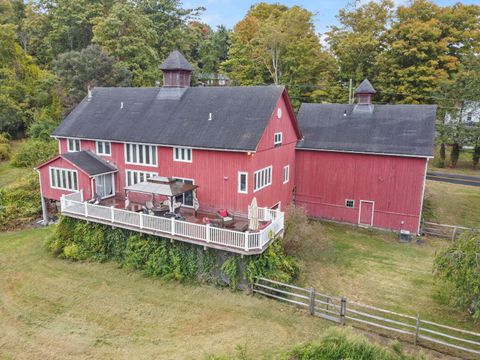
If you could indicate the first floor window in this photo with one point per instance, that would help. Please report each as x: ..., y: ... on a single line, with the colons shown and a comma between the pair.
x: 182, y: 154
x: 73, y: 145
x: 262, y: 178
x: 243, y: 182
x: 63, y: 179
x: 103, y: 148
x: 135, y: 176
x: 105, y: 185
x: 141, y: 154
x: 350, y: 203
x: 286, y: 174
x: 186, y: 198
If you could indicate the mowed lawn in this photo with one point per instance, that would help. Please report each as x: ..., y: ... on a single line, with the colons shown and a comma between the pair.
x: 374, y: 268
x: 56, y: 309
x: 453, y: 204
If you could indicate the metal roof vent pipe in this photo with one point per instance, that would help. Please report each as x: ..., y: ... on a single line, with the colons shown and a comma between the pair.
x: 89, y: 93
x: 210, y: 117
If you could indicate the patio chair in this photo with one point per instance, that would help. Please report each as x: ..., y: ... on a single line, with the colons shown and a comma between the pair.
x: 228, y: 219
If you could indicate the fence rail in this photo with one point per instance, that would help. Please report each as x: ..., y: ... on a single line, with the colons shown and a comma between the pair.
x: 444, y: 231
x: 244, y: 241
x: 340, y: 310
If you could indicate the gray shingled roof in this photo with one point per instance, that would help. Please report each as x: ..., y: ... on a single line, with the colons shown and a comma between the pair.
x: 176, y: 61
x: 365, y: 87
x: 389, y: 129
x: 156, y: 116
x: 89, y: 162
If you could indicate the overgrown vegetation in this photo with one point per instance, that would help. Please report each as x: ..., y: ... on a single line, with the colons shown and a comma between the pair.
x: 4, y: 146
x: 20, y: 202
x: 459, y: 265
x: 336, y: 343
x: 33, y: 152
x: 78, y: 240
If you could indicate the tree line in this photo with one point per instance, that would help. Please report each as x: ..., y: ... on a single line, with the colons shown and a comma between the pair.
x: 51, y: 51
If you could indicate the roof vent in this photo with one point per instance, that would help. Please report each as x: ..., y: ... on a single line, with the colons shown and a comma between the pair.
x: 89, y: 96
x: 121, y: 104
x: 210, y: 118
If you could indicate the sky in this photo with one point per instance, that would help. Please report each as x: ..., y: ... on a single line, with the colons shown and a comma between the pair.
x: 229, y: 12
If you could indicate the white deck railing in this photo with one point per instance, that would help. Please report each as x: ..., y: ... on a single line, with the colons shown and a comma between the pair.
x: 245, y: 241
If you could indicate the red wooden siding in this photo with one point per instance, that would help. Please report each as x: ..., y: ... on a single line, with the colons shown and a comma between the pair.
x: 55, y: 194
x: 216, y: 172
x: 394, y: 184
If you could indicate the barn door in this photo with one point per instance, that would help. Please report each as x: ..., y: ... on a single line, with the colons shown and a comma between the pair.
x: 366, y: 213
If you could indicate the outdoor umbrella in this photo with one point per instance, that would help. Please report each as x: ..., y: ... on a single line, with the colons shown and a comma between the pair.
x: 253, y: 215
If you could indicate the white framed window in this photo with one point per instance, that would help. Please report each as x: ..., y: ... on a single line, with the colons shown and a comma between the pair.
x: 135, y: 176
x: 262, y: 178
x: 349, y: 203
x: 73, y: 145
x: 63, y: 179
x: 286, y: 174
x: 104, y: 148
x: 277, y: 139
x: 186, y: 198
x: 140, y: 154
x: 182, y: 154
x: 242, y: 182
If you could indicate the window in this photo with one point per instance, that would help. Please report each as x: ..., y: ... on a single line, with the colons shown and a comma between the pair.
x: 286, y: 174
x: 350, y: 203
x: 186, y: 198
x: 63, y: 179
x: 134, y: 176
x: 73, y: 145
x: 141, y: 154
x: 103, y: 148
x: 182, y: 154
x: 262, y: 178
x: 277, y: 140
x: 105, y: 185
x: 243, y: 182
x: 279, y: 113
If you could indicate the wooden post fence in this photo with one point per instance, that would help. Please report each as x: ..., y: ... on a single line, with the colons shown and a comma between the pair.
x: 312, y: 301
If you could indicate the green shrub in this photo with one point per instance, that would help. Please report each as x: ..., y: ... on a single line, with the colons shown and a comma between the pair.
x: 20, y: 202
x: 230, y: 270
x: 344, y: 344
x: 4, y: 146
x: 33, y: 152
x: 459, y: 265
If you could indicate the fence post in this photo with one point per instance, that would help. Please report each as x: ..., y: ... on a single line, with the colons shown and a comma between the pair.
x: 417, y: 330
x: 246, y: 240
x: 112, y: 214
x: 208, y: 233
x: 172, y: 229
x: 343, y: 310
x: 141, y: 221
x: 86, y: 209
x: 312, y: 301
x: 81, y: 195
x: 454, y: 234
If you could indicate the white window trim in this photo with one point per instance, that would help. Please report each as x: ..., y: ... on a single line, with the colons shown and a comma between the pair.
x: 350, y: 207
x: 103, y: 148
x: 50, y: 168
x: 240, y: 173
x: 193, y: 183
x: 275, y: 141
x: 266, y: 184
x: 113, y: 184
x: 138, y: 172
x: 74, y: 140
x: 286, y: 179
x: 179, y: 159
x: 155, y: 149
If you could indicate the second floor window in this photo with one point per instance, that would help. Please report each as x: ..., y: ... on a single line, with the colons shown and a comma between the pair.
x: 262, y: 178
x: 277, y: 140
x: 286, y: 174
x: 182, y: 154
x: 103, y: 148
x: 134, y: 176
x: 141, y: 154
x: 73, y: 145
x: 242, y: 182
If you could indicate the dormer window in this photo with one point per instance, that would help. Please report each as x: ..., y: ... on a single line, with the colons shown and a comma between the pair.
x: 277, y: 139
x: 73, y: 145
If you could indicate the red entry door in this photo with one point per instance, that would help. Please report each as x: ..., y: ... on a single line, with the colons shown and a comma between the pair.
x: 366, y: 213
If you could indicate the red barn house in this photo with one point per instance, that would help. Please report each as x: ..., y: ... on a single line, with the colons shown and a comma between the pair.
x: 186, y: 163
x: 363, y: 163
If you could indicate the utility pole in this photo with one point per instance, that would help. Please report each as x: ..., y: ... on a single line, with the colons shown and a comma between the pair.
x: 350, y: 92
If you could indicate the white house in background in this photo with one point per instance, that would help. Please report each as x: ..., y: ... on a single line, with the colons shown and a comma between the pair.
x: 470, y: 115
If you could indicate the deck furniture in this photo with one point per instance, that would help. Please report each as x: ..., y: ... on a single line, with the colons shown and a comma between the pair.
x: 228, y: 219
x: 213, y: 222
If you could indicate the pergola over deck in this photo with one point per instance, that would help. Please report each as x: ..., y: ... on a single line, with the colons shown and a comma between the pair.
x: 162, y: 186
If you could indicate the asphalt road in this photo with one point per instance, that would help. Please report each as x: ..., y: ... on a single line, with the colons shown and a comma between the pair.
x: 454, y: 178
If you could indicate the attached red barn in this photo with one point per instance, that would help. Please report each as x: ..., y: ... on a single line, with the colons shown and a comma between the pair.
x: 364, y: 164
